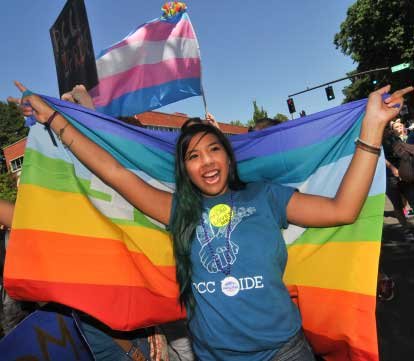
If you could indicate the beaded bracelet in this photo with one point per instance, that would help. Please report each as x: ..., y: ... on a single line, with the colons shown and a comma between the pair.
x: 367, y: 147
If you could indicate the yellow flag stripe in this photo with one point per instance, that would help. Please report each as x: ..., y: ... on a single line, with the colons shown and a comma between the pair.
x: 336, y: 265
x: 73, y: 213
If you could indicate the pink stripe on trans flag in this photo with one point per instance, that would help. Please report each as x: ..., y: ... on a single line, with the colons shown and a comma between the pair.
x: 113, y: 87
x: 157, y: 31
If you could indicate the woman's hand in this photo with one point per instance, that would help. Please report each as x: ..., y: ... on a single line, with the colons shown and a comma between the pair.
x: 379, y: 112
x: 211, y: 120
x: 79, y: 95
x: 32, y: 105
x: 395, y: 172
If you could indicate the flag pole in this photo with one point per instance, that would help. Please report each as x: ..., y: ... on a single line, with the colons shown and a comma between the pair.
x: 204, y: 99
x: 201, y: 74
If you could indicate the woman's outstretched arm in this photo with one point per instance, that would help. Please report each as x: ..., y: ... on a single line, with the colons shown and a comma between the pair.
x: 316, y: 211
x: 151, y: 201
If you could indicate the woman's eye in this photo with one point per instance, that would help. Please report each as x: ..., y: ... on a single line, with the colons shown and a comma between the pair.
x: 192, y: 156
x: 215, y: 148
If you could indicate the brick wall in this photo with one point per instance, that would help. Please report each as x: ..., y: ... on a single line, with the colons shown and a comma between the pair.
x: 14, y: 151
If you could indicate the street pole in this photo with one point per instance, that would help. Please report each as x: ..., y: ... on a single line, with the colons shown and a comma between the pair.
x: 341, y: 79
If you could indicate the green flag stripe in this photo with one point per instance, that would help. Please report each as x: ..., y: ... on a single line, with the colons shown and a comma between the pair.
x: 368, y: 226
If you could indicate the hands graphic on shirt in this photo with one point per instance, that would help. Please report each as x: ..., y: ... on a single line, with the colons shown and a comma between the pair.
x: 217, y: 256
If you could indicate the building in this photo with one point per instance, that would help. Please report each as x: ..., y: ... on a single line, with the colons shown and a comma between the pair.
x: 173, y: 122
x: 13, y: 156
x: 13, y: 153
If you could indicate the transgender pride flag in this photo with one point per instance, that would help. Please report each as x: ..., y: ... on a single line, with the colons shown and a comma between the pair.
x: 157, y: 64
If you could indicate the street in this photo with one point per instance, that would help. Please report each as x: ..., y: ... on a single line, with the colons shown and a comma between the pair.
x: 395, y: 318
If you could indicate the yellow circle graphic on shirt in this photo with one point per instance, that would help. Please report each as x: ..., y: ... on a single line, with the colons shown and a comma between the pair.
x: 220, y: 215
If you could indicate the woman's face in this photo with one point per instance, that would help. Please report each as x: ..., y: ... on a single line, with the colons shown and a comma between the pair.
x: 207, y: 164
x: 398, y: 128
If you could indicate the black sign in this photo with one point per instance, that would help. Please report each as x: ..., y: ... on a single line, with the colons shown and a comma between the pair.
x: 72, y: 47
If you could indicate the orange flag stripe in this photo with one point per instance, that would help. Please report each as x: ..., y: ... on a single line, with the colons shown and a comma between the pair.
x: 48, y: 260
x: 357, y: 334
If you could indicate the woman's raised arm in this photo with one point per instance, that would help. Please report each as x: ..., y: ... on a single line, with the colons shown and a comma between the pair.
x: 151, y: 201
x: 315, y: 211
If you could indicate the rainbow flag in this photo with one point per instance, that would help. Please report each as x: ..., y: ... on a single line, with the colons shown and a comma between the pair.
x: 77, y: 242
x: 155, y: 65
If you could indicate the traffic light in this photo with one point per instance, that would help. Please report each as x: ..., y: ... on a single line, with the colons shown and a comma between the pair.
x: 291, y: 105
x: 329, y: 92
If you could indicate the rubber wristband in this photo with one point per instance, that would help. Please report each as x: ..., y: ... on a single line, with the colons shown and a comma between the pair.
x: 26, y: 93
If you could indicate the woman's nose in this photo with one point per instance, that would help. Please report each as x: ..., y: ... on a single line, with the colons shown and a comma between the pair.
x: 206, y: 158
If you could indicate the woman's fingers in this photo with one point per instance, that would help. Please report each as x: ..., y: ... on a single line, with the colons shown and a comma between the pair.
x: 20, y: 86
x: 399, y: 94
x: 384, y: 90
x: 404, y: 91
x: 32, y: 104
x: 68, y: 97
x: 13, y: 100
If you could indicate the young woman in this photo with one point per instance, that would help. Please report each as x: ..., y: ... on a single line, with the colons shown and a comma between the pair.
x: 228, y: 246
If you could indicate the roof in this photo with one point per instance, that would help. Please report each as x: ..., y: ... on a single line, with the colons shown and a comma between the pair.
x: 176, y: 120
x: 13, y: 144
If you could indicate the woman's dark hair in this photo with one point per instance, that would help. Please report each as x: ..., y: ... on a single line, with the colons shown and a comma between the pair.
x: 191, y: 121
x: 188, y: 207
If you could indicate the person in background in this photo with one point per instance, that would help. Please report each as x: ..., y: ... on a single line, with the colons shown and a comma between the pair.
x: 396, y: 188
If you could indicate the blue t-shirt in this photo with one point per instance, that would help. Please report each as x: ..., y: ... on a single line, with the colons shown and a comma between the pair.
x: 251, y: 315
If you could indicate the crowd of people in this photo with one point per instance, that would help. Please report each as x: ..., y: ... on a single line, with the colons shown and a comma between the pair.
x: 227, y: 324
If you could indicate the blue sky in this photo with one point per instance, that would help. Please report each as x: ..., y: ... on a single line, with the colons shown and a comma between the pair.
x: 251, y: 50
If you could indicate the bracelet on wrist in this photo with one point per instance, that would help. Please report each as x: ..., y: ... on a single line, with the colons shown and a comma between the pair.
x: 61, y: 131
x: 367, y: 147
x: 49, y: 120
x: 47, y: 126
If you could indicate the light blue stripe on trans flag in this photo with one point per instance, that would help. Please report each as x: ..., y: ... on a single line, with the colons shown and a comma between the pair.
x: 146, y: 99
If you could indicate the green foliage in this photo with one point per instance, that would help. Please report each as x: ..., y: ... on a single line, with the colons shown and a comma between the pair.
x: 250, y: 123
x: 12, y: 126
x: 376, y: 34
x: 8, y: 188
x: 237, y: 122
x: 258, y: 113
x: 280, y: 117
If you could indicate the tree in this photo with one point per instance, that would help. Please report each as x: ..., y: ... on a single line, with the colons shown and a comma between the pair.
x: 376, y: 34
x: 280, y: 117
x: 12, y: 126
x: 8, y: 187
x: 237, y: 122
x: 258, y: 113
